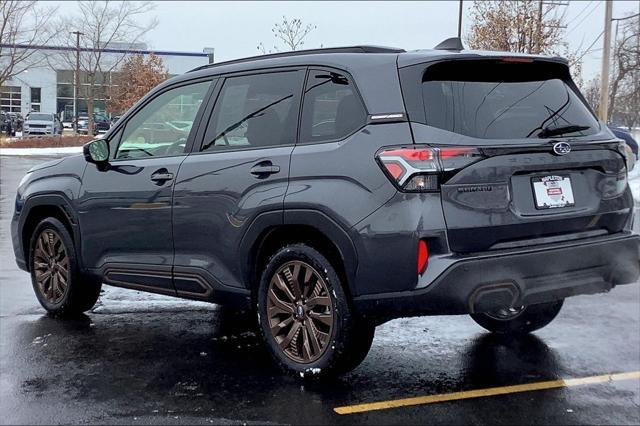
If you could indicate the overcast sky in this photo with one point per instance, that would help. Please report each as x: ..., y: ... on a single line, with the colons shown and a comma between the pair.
x: 234, y: 29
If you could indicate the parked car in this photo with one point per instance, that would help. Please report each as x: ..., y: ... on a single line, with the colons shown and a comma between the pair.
x: 3, y: 122
x: 332, y: 190
x: 101, y: 124
x: 114, y: 119
x: 627, y: 138
x: 67, y: 123
x: 40, y: 123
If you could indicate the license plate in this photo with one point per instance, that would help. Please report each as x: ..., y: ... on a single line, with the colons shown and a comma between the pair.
x: 552, y: 192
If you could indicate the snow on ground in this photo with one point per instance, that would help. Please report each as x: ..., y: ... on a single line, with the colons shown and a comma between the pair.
x: 634, y: 183
x: 42, y: 151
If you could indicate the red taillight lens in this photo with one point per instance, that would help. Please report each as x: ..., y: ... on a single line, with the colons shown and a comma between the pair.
x: 417, y: 168
x: 423, y: 256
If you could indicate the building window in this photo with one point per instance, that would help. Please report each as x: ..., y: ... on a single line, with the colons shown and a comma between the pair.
x: 35, y: 99
x: 10, y: 98
x: 65, y: 85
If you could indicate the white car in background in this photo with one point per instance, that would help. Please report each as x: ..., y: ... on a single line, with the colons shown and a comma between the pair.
x: 41, y: 123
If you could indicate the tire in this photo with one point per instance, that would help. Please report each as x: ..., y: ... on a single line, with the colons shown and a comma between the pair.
x: 530, y: 318
x: 80, y: 292
x: 341, y: 343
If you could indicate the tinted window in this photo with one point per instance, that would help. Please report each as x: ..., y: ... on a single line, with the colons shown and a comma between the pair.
x: 162, y: 126
x: 503, y: 102
x: 332, y: 109
x: 255, y: 111
x: 40, y: 117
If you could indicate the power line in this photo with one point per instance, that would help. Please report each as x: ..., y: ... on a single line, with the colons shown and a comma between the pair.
x: 584, y: 18
x: 581, y: 12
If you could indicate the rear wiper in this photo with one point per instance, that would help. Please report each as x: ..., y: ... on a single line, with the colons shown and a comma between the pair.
x: 560, y: 130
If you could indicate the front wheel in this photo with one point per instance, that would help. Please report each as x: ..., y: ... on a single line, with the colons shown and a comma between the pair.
x: 305, y: 320
x: 59, y: 286
x: 521, y: 320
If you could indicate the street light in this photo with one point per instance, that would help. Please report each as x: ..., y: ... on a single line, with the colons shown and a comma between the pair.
x: 77, y: 80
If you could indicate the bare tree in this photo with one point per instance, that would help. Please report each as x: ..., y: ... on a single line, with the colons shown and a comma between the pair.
x: 591, y: 92
x: 104, y: 25
x: 290, y: 32
x: 523, y: 26
x: 136, y: 77
x: 23, y: 24
x: 625, y: 76
x: 624, y: 86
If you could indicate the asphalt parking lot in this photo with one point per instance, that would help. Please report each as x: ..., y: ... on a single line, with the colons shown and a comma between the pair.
x: 139, y: 358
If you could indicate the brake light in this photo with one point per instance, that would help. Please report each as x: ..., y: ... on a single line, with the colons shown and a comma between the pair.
x: 419, y: 168
x: 517, y: 59
x: 423, y: 256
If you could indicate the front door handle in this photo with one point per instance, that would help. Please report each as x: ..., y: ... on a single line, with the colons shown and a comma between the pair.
x: 161, y: 176
x: 264, y: 168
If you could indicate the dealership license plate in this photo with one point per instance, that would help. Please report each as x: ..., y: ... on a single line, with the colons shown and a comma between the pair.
x: 552, y: 192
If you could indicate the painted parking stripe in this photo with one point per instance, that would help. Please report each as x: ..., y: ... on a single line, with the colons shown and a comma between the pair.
x: 481, y: 393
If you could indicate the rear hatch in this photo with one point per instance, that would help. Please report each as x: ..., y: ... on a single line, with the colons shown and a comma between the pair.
x: 521, y: 159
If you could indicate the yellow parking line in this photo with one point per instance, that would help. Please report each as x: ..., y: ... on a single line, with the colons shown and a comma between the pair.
x: 481, y: 393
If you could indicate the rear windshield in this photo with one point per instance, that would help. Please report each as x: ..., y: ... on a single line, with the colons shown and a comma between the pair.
x: 43, y: 117
x: 501, y: 100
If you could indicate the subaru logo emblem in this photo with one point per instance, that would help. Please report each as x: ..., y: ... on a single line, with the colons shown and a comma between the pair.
x: 562, y: 148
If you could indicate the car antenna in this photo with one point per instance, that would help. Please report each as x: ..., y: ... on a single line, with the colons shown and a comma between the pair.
x: 453, y: 43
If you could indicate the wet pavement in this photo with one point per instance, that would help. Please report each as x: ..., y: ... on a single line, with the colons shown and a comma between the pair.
x: 139, y: 358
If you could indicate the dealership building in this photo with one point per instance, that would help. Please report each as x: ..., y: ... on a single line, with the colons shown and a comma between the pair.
x: 48, y: 86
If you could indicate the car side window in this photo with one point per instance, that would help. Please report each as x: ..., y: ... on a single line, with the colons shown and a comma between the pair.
x: 161, y: 127
x: 255, y: 111
x: 331, y: 108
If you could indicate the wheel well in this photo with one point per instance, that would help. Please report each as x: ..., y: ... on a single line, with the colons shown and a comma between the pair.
x: 35, y: 216
x: 278, y: 237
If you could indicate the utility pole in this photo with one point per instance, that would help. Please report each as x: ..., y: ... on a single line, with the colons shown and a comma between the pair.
x: 76, y: 87
x: 460, y: 20
x: 606, y: 53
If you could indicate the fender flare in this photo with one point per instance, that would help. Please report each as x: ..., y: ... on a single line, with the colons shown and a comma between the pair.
x: 267, y: 221
x: 55, y: 199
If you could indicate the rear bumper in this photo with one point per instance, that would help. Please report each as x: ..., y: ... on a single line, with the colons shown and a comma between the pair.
x: 490, y: 281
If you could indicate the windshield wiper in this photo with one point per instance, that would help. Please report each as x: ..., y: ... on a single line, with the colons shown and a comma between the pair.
x: 561, y: 130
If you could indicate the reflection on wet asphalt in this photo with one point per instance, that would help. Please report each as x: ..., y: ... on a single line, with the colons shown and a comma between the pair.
x: 139, y: 358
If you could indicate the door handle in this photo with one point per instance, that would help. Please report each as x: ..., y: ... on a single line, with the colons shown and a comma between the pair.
x: 161, y: 175
x: 264, y: 168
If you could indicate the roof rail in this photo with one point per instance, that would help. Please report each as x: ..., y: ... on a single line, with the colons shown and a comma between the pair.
x: 453, y: 43
x: 346, y: 49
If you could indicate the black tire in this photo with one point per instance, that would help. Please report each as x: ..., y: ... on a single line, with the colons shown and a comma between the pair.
x: 530, y: 318
x: 81, y: 292
x: 349, y: 340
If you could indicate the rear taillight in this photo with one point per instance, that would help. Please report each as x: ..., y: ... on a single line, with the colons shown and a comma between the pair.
x: 423, y: 256
x: 420, y: 168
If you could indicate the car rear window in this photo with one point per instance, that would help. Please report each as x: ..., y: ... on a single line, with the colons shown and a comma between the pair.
x: 504, y: 100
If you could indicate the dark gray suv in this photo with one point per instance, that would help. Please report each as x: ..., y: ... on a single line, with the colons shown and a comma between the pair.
x: 332, y: 190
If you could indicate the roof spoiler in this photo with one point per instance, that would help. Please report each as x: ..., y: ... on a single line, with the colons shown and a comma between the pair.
x: 453, y: 43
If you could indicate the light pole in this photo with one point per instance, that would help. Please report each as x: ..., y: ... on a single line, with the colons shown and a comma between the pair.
x: 76, y: 85
x: 460, y: 20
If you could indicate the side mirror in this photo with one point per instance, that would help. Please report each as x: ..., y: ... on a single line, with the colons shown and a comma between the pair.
x: 97, y: 152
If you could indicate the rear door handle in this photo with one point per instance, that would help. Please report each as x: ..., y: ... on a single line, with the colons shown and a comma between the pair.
x: 264, y: 168
x: 161, y: 175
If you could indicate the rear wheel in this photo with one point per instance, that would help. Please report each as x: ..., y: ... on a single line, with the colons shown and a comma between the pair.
x: 521, y: 320
x: 55, y: 275
x: 304, y: 316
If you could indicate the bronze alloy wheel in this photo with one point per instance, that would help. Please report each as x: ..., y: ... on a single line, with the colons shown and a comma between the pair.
x: 300, y: 311
x: 51, y: 266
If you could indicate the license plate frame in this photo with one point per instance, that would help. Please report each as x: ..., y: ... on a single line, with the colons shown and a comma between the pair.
x: 552, y: 192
